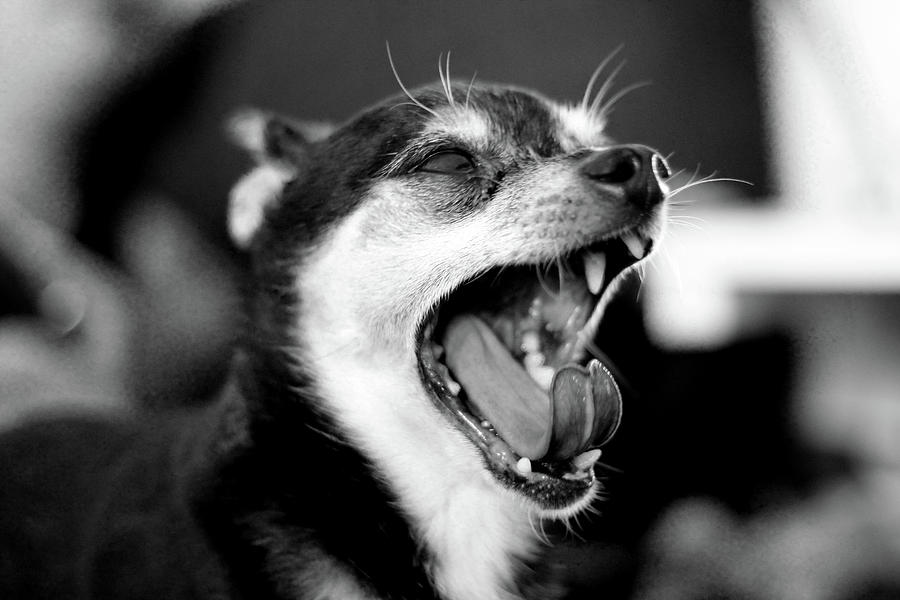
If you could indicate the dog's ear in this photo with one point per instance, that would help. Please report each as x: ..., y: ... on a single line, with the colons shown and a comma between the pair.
x: 280, y: 148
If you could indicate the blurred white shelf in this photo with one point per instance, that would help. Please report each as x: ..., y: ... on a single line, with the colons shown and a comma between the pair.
x: 705, y: 269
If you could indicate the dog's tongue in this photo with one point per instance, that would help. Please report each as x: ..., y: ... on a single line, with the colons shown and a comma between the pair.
x: 582, y: 409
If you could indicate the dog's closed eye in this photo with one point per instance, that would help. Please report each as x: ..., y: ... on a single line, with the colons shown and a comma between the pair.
x: 449, y: 162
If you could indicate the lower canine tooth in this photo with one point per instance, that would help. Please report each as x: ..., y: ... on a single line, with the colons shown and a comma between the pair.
x: 541, y: 375
x: 453, y: 387
x: 594, y: 271
x: 524, y: 465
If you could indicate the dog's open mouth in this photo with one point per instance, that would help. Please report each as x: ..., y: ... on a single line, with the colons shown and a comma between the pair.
x: 507, y: 356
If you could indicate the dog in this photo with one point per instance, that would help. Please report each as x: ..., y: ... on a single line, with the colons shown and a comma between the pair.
x: 416, y: 390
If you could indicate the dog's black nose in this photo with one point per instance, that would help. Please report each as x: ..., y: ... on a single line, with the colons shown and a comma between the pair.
x: 639, y: 169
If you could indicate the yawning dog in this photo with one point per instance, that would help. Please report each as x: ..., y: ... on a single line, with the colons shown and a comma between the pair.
x: 416, y: 390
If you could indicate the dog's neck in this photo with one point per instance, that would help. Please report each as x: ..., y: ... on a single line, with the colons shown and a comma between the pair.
x: 474, y: 534
x: 389, y: 512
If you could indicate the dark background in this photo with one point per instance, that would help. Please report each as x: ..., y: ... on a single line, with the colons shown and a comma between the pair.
x: 318, y: 60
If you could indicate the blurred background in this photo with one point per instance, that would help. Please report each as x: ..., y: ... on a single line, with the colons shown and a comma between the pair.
x: 760, y: 452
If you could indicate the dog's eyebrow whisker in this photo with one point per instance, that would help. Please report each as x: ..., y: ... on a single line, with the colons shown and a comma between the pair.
x: 414, y: 103
x: 604, y: 90
x: 469, y: 89
x: 403, y: 87
x: 596, y: 74
x: 444, y: 76
x: 449, y: 88
x: 607, y: 107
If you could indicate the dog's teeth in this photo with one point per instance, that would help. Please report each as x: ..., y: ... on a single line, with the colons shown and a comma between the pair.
x: 586, y: 460
x: 541, y: 375
x: 532, y: 360
x: 531, y: 342
x: 524, y: 465
x: 594, y: 270
x: 634, y: 245
x: 437, y: 350
x: 453, y: 387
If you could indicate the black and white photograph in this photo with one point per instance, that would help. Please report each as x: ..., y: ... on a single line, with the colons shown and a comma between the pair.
x: 449, y: 300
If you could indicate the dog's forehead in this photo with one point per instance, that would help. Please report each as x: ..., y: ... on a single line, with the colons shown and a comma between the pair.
x: 485, y: 118
x: 499, y: 118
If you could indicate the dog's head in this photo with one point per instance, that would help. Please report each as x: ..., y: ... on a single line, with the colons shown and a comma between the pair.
x: 450, y: 255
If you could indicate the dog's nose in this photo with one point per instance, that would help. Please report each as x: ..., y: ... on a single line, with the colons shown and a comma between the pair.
x: 639, y: 169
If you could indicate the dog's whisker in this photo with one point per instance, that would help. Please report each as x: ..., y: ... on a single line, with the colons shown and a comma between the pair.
x: 609, y: 467
x: 683, y: 217
x: 681, y: 203
x: 604, y: 90
x: 706, y: 180
x: 400, y: 83
x: 641, y: 275
x: 596, y: 74
x: 605, y: 110
x: 673, y: 266
x: 469, y: 89
x: 676, y: 173
x: 695, y: 225
x: 444, y: 76
x: 329, y: 436
x: 542, y: 280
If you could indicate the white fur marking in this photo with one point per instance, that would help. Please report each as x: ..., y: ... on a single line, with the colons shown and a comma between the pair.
x: 579, y: 128
x: 250, y: 197
x: 466, y: 124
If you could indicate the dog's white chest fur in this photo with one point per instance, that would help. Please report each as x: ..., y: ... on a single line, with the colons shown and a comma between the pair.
x: 473, y: 531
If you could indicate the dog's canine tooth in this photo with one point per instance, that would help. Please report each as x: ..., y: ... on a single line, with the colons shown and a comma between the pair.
x: 586, y: 460
x: 524, y: 465
x: 594, y: 270
x: 634, y: 244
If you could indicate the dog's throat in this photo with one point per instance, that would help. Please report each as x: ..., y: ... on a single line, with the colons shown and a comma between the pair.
x: 580, y: 408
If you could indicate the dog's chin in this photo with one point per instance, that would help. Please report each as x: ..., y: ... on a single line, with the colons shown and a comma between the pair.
x: 506, y: 342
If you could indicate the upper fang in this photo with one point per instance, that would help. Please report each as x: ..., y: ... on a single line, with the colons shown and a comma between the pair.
x: 634, y: 244
x: 594, y: 270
